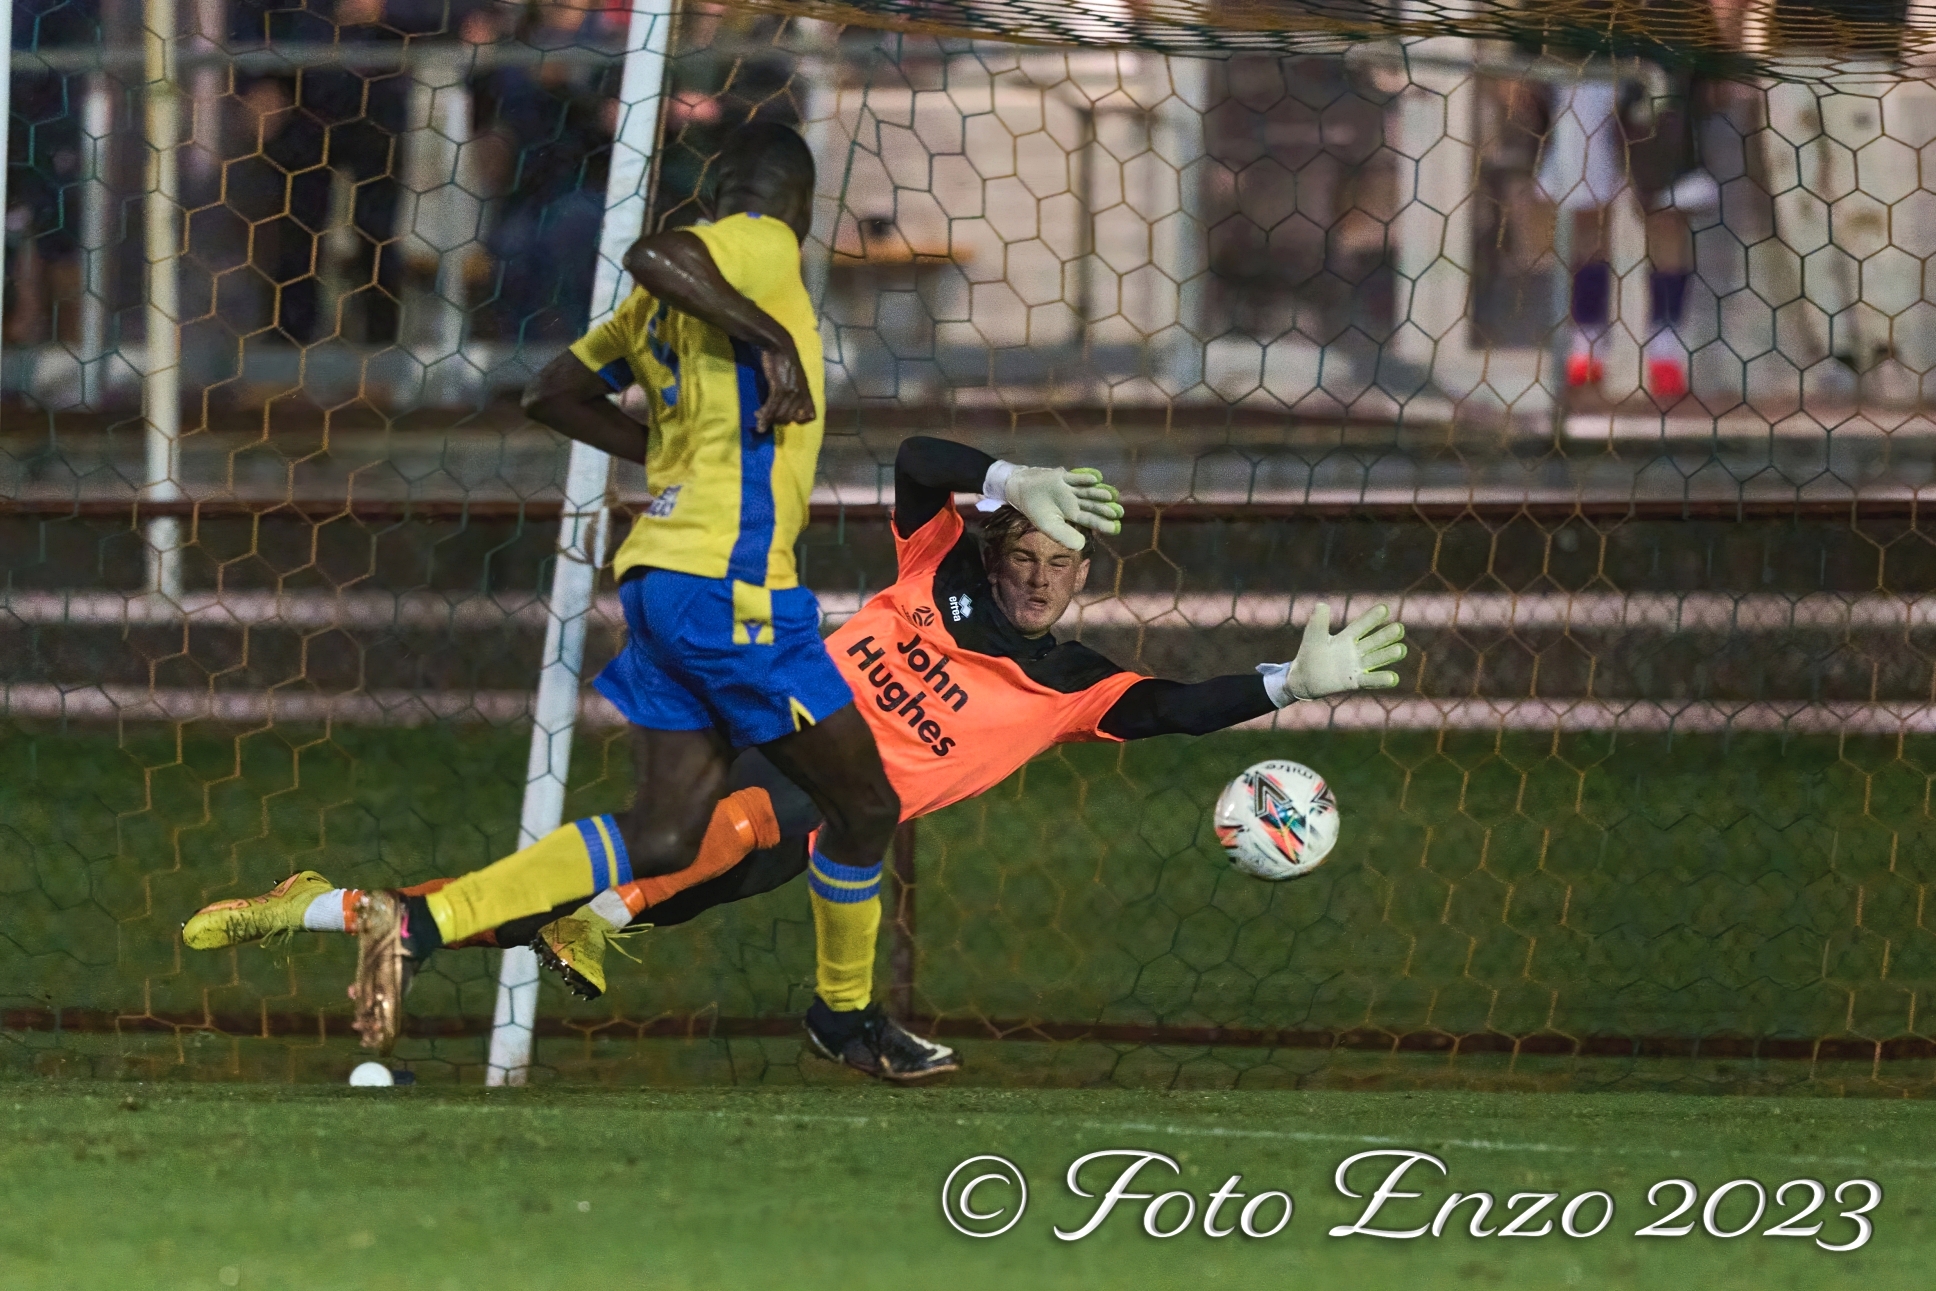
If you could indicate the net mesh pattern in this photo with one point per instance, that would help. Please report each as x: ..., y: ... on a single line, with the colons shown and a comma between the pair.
x: 1651, y: 806
x: 1828, y: 38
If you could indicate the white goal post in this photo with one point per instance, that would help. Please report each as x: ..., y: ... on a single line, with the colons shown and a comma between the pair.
x: 581, y: 527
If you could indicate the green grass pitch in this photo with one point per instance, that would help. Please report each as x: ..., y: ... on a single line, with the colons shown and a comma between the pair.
x: 1694, y: 887
x: 120, y: 1185
x: 1633, y: 886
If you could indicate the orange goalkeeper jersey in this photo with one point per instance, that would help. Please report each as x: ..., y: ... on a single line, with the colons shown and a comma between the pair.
x: 957, y: 697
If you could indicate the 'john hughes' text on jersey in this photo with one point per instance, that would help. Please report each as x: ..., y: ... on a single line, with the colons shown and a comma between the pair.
x: 958, y: 699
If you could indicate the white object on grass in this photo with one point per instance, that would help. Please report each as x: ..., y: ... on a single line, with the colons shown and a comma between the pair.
x: 372, y: 1074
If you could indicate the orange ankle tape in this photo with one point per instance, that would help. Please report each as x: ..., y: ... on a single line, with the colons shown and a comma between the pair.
x: 757, y: 809
x: 742, y: 822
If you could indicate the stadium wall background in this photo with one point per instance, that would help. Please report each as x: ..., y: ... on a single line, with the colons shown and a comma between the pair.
x: 1653, y: 809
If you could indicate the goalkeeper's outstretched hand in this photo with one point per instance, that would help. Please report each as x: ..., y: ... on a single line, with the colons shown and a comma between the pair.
x: 1056, y: 500
x: 1358, y: 658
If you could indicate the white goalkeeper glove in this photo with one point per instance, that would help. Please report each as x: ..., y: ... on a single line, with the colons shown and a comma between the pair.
x: 1055, y: 500
x: 1354, y: 659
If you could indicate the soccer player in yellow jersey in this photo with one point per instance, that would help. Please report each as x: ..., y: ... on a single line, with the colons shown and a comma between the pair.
x: 724, y: 650
x: 962, y: 679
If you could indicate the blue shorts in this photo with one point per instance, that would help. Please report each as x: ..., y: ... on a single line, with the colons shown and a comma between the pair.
x: 712, y: 652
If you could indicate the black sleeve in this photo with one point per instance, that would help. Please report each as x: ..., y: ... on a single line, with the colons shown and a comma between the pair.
x: 928, y: 472
x: 1159, y: 707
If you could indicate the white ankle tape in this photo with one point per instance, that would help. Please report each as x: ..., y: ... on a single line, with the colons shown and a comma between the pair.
x: 325, y: 913
x: 610, y: 906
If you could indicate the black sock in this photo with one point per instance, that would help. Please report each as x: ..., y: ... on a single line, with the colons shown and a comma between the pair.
x: 833, y: 1024
x: 420, y: 934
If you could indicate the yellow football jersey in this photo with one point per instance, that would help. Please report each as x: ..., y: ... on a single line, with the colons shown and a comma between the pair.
x: 727, y: 502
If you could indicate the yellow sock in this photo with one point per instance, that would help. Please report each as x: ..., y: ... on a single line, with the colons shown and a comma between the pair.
x: 571, y: 863
x: 846, y: 919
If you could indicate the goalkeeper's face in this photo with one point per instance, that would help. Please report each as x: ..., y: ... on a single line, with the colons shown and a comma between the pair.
x: 1035, y: 580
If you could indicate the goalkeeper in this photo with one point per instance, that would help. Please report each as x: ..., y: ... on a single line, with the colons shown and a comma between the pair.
x: 725, y: 650
x: 959, y: 676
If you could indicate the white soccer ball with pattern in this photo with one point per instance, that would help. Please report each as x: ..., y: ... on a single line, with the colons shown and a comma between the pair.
x: 1278, y: 820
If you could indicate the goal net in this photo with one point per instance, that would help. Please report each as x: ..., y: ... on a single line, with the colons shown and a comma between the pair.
x: 1595, y: 339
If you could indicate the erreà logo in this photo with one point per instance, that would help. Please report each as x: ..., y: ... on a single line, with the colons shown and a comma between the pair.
x: 923, y: 616
x: 959, y: 608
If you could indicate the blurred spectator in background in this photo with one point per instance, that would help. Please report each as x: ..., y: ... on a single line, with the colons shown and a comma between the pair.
x: 1604, y: 136
x: 1679, y: 195
x: 347, y: 120
x: 247, y: 191
x: 44, y: 173
x: 726, y: 71
x: 553, y: 124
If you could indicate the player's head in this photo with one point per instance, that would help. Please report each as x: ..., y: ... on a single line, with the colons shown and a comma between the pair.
x: 1033, y: 576
x: 766, y: 169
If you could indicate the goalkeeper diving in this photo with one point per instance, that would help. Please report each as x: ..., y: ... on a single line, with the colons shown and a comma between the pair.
x: 957, y: 671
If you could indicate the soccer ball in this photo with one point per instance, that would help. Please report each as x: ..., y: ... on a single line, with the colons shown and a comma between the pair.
x: 1277, y: 820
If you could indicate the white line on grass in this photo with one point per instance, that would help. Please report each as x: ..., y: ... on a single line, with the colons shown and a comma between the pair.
x: 1424, y: 1138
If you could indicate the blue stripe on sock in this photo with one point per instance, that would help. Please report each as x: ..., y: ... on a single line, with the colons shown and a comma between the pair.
x: 841, y: 896
x: 846, y: 873
x: 621, y: 859
x: 823, y: 869
x: 595, y: 847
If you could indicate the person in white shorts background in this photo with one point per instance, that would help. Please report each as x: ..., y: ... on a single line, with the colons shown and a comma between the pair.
x: 1588, y: 162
